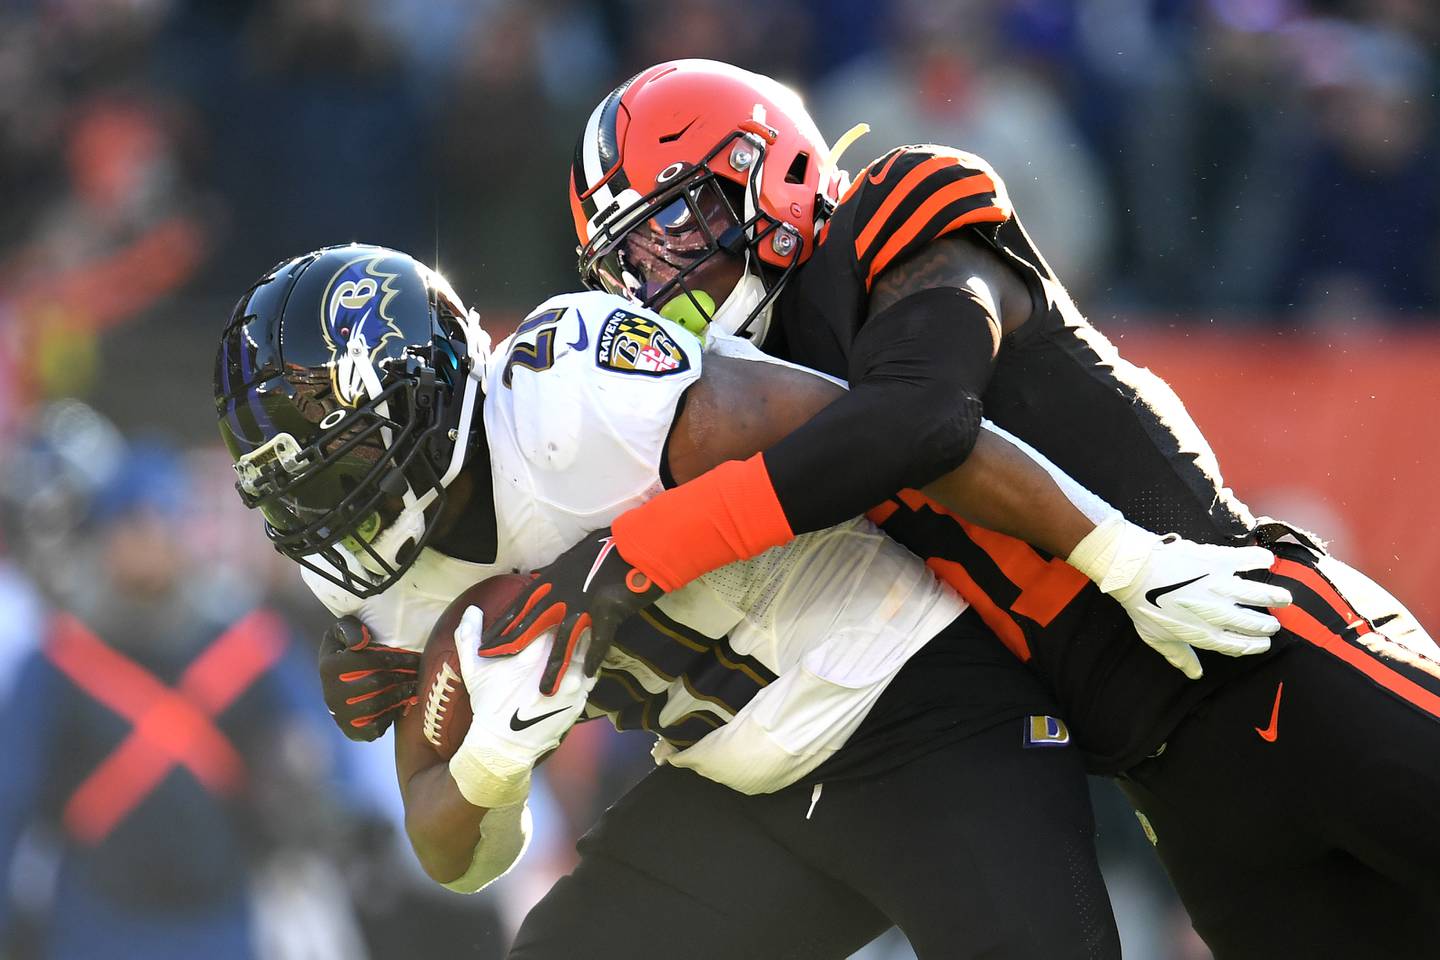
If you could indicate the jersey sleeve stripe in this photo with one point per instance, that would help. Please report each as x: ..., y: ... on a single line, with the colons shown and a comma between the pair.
x: 897, y: 196
x: 978, y: 215
x: 927, y: 216
x: 990, y: 214
x: 870, y: 173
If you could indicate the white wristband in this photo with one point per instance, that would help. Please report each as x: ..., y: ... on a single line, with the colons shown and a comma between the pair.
x: 1114, y: 553
x: 487, y: 778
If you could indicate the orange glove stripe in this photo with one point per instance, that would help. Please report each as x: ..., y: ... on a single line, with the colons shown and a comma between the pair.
x: 351, y: 701
x: 726, y: 514
x: 350, y: 676
x: 535, y: 598
x: 547, y: 620
x: 367, y: 720
x: 582, y: 623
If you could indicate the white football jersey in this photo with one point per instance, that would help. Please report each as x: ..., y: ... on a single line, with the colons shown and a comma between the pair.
x: 753, y: 674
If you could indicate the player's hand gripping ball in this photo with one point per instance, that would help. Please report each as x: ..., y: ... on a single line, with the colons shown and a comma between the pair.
x: 366, y: 684
x: 443, y: 698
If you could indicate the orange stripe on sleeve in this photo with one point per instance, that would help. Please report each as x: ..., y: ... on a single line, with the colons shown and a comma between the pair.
x: 970, y: 186
x: 896, y: 197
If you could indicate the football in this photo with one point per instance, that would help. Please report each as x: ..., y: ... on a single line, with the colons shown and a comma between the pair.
x: 443, y: 698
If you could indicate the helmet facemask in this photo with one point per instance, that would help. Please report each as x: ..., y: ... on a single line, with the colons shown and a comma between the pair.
x: 689, y: 248
x: 354, y: 493
x: 338, y: 497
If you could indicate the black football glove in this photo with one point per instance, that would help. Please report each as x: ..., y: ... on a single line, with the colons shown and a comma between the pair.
x: 366, y: 684
x: 589, y: 587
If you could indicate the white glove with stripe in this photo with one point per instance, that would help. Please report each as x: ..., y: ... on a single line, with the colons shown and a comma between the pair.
x: 1183, y: 595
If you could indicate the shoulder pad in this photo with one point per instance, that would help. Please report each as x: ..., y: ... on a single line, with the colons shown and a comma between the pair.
x: 587, y: 389
x: 912, y: 195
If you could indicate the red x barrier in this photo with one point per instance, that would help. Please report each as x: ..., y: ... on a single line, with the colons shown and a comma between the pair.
x: 171, y: 725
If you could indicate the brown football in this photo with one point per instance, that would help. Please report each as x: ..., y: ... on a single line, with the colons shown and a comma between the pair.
x: 446, y: 705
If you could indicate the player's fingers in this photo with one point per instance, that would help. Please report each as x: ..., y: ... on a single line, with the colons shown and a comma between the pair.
x: 562, y: 651
x: 358, y: 734
x: 374, y: 660
x: 1256, y: 594
x: 601, y: 637
x: 1232, y: 643
x: 527, y: 630
x: 470, y: 631
x: 383, y: 697
x: 350, y: 632
x: 529, y: 605
x: 513, y: 616
x: 1232, y: 618
x: 359, y: 680
x: 1182, y: 658
x: 362, y: 734
x: 344, y: 634
x: 373, y: 725
x: 1240, y: 645
x: 1253, y: 558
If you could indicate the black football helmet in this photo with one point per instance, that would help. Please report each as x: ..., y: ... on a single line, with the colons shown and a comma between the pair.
x: 348, y: 390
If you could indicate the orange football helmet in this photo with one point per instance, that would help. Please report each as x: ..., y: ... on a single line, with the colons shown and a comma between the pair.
x: 697, y: 187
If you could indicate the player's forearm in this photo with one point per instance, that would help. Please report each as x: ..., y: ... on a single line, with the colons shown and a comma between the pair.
x: 907, y: 421
x: 443, y: 827
x: 1000, y: 488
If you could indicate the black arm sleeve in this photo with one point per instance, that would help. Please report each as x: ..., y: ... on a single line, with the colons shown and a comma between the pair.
x: 912, y: 413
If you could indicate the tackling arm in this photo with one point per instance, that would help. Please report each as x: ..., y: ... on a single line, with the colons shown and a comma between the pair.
x: 911, y: 416
x: 742, y: 407
x: 911, y: 419
x: 725, y: 507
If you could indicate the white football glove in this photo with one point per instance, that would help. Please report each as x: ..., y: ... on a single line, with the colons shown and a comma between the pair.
x: 514, y: 724
x: 1180, y: 594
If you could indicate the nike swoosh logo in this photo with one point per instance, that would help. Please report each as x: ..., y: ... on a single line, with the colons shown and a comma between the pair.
x: 1270, y: 733
x: 584, y: 340
x: 878, y: 176
x: 517, y: 724
x: 1152, y: 597
x: 607, y: 544
x: 672, y: 137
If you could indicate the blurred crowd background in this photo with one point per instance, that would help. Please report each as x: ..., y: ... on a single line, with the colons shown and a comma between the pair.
x: 1245, y: 194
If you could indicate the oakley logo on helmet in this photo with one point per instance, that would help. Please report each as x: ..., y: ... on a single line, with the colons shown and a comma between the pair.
x: 356, y: 321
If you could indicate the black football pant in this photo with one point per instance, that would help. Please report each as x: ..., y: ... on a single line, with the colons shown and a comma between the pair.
x: 1297, y: 809
x: 981, y: 848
